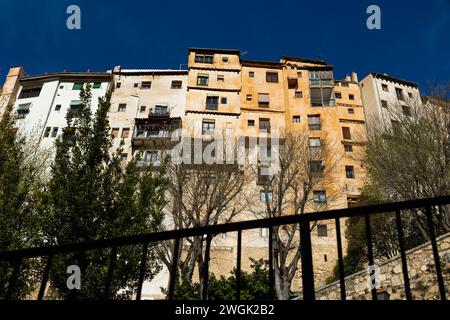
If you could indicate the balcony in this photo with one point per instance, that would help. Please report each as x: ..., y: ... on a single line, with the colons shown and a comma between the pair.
x: 155, y: 130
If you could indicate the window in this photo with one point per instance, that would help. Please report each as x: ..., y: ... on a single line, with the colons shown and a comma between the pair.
x: 314, y: 122
x: 208, y: 126
x: 384, y: 103
x: 122, y: 107
x: 176, y: 84
x: 223, y: 100
x: 54, y: 132
x: 406, y: 111
x: 265, y: 196
x: 298, y: 94
x: 322, y: 231
x: 348, y: 148
x: 212, y: 103
x: 61, y: 87
x: 57, y: 107
x: 118, y: 85
x: 251, y: 74
x: 115, y: 133
x: 346, y: 133
x: 399, y: 93
x: 299, y: 74
x: 316, y: 165
x: 30, y: 93
x: 47, y: 132
x: 338, y: 95
x: 136, y: 85
x: 351, y: 97
x: 265, y: 233
x: 146, y: 85
x: 251, y: 123
x: 264, y: 125
x: 97, y: 85
x: 410, y: 95
x: 75, y: 106
x: 384, y: 87
x: 296, y: 119
x: 142, y: 109
x: 160, y: 109
x: 210, y: 180
x: 22, y: 110
x: 271, y: 76
x: 395, y: 125
x: 224, y: 59
x: 202, y: 79
x: 220, y: 78
x: 150, y: 157
x: 319, y: 196
x: 123, y: 156
x: 325, y: 258
x: 204, y: 58
x: 314, y: 142
x: 263, y: 100
x: 351, y: 111
x: 125, y: 133
x: 249, y: 97
x: 349, y: 172
x: 78, y: 86
x: 321, y: 96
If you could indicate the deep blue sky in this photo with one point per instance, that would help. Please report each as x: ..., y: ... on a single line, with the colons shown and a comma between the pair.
x: 413, y: 44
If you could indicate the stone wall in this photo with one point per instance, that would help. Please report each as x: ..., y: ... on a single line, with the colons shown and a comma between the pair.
x: 421, y: 271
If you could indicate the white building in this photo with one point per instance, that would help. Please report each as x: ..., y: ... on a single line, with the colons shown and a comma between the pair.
x: 43, y: 102
x: 382, y: 93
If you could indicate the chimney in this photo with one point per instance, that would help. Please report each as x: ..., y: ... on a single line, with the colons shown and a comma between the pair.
x: 347, y: 78
x: 117, y: 69
x: 354, y: 77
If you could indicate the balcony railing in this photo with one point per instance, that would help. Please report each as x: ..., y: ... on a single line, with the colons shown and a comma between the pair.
x: 15, y: 258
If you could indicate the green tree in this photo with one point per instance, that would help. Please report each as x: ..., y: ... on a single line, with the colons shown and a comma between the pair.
x: 21, y: 182
x: 92, y: 196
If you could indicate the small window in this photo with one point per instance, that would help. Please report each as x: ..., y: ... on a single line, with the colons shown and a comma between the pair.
x: 319, y: 196
x: 123, y: 156
x: 351, y: 97
x: 224, y: 59
x: 264, y: 232
x: 338, y: 95
x: 263, y: 100
x: 176, y: 84
x: 271, y: 76
x: 115, y: 133
x: 125, y: 133
x: 57, y: 107
x: 410, y: 95
x: 346, y: 133
x: 47, y: 132
x: 54, y: 132
x: 223, y: 100
x: 299, y: 74
x: 204, y: 58
x: 142, y: 109
x: 325, y: 259
x: 384, y: 87
x: 406, y: 111
x: 251, y: 74
x: 348, y: 148
x: 61, y: 87
x: 322, y: 231
x: 349, y: 172
x: 122, y: 107
x: 118, y: 85
x: 296, y: 119
x: 314, y: 122
x: 136, y: 84
x: 208, y: 126
x: 212, y: 103
x: 146, y: 85
x: 202, y: 80
x: 384, y: 103
x: 399, y: 93
x: 220, y: 78
x: 249, y: 97
x: 351, y: 111
x: 97, y: 85
x: 316, y: 165
x: 264, y: 125
x: 298, y: 94
x: 160, y: 109
x: 314, y: 142
x: 77, y: 86
x: 265, y: 196
x: 251, y: 123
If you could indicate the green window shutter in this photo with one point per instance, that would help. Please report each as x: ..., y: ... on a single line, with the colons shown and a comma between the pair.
x: 97, y: 85
x: 77, y: 86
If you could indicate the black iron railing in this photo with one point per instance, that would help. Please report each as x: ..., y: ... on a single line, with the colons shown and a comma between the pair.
x: 304, y: 221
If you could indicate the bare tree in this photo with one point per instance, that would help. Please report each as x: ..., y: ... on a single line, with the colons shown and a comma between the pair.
x: 409, y: 157
x: 297, y: 186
